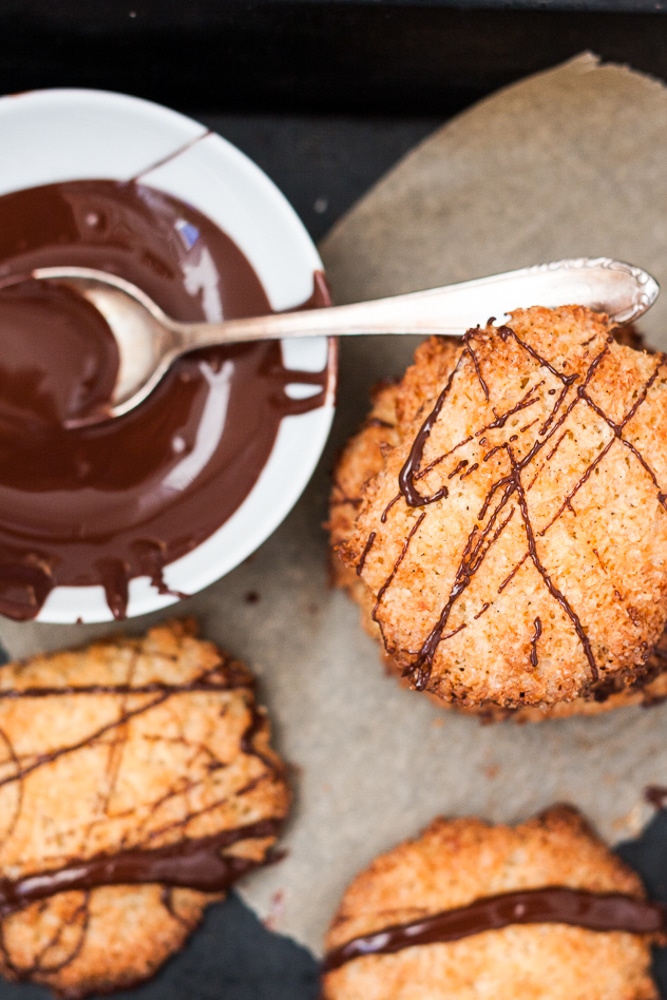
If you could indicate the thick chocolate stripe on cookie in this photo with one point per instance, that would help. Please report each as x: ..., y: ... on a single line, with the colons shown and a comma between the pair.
x: 552, y: 905
x: 192, y: 864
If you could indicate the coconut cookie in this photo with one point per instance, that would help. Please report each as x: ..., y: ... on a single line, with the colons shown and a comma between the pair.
x: 511, y: 548
x: 363, y: 458
x: 137, y: 784
x: 470, y: 911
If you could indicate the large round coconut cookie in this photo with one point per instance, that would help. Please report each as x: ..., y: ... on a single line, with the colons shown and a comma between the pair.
x: 514, y: 542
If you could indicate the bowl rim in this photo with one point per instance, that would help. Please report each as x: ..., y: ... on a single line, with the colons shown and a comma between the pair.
x: 190, y: 145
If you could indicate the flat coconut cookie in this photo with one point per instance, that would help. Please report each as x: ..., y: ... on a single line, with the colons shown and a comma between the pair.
x: 363, y: 458
x: 136, y: 785
x: 512, y: 548
x: 469, y: 911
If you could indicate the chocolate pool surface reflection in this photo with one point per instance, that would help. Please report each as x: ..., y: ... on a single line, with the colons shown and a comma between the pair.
x: 108, y: 502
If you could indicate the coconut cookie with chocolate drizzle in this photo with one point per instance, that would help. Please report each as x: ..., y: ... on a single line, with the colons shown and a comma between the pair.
x: 393, y: 405
x: 137, y: 784
x: 469, y: 911
x: 512, y: 547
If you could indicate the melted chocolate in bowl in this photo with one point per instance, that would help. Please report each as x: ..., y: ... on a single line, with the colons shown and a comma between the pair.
x: 109, y: 502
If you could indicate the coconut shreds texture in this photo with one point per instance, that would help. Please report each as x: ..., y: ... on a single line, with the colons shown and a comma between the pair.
x: 455, y: 862
x: 501, y: 518
x: 130, y: 744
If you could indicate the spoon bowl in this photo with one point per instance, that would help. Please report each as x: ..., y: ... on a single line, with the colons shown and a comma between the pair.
x: 149, y: 341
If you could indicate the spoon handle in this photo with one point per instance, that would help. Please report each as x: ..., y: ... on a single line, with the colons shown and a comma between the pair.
x: 621, y: 290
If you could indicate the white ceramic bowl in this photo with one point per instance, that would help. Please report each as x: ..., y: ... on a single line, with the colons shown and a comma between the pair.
x: 60, y: 135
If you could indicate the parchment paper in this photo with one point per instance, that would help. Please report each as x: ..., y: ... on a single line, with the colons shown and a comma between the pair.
x: 571, y: 162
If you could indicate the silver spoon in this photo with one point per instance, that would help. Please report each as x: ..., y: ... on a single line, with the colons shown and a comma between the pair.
x: 149, y: 341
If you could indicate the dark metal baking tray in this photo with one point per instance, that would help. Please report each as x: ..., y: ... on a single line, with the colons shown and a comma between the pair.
x: 343, y: 57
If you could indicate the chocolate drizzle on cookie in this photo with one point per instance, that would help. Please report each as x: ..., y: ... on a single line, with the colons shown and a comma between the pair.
x: 507, y: 495
x: 190, y: 861
x: 144, y: 772
x: 551, y: 905
x: 537, y: 624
